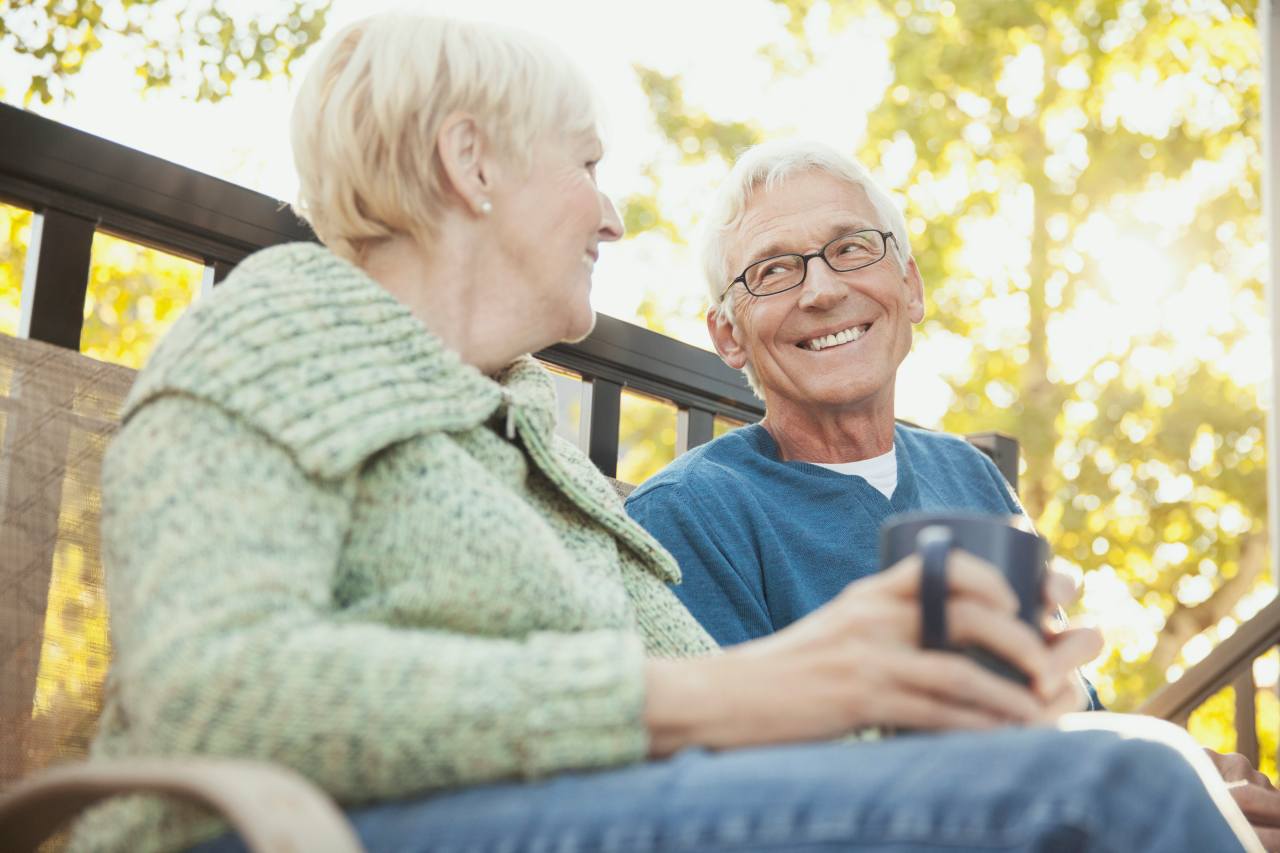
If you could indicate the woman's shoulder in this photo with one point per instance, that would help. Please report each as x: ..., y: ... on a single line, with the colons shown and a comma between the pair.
x: 307, y: 349
x: 270, y: 299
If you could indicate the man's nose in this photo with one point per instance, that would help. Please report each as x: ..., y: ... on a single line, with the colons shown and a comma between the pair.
x: 822, y: 286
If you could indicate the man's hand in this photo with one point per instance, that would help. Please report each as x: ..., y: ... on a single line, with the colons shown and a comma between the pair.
x: 1254, y: 794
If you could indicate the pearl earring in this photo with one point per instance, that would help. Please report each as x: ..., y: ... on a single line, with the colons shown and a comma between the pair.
x: 486, y: 207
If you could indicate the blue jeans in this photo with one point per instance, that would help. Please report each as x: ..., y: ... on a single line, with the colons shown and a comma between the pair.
x: 1017, y: 789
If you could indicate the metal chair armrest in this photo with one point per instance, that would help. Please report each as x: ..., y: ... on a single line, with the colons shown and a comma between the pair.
x: 272, y: 809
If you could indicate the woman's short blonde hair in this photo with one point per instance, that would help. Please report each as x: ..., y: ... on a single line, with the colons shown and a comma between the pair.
x: 366, y: 118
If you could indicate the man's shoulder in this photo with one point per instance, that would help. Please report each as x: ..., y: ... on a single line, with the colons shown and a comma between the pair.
x: 955, y: 469
x: 936, y: 443
x: 717, y: 463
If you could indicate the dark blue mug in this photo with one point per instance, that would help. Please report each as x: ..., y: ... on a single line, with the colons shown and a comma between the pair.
x: 1007, y: 542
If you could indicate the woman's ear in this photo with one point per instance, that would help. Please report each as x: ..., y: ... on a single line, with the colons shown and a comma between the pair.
x: 724, y: 336
x: 467, y: 162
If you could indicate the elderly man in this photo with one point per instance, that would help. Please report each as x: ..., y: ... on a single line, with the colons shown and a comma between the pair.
x: 814, y: 292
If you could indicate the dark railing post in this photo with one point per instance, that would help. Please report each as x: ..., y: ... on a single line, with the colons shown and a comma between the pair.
x: 221, y: 269
x: 1002, y: 449
x: 693, y: 427
x: 53, y: 297
x: 601, y: 413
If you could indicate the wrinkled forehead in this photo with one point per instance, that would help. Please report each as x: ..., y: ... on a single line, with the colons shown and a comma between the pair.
x: 799, y: 214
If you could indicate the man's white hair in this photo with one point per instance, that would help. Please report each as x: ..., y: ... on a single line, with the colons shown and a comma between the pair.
x: 763, y: 168
x: 365, y: 121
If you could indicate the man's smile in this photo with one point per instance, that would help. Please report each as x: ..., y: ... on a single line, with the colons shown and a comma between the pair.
x: 835, y: 339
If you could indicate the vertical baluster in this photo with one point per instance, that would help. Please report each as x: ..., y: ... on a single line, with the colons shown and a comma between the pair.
x: 56, y: 278
x: 1246, y: 714
x: 1002, y: 449
x: 693, y: 427
x: 598, y: 432
x: 221, y: 269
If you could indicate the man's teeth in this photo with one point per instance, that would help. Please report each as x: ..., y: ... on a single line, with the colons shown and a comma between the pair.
x: 838, y: 338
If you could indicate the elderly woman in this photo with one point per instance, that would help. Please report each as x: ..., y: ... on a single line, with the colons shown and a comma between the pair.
x: 341, y: 535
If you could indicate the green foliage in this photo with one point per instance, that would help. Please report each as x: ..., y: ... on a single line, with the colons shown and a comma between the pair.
x: 646, y: 437
x: 1213, y: 725
x: 695, y: 135
x: 135, y: 294
x: 694, y: 132
x: 15, y: 235
x: 198, y: 47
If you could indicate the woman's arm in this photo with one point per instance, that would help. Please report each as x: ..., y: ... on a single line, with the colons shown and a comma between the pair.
x: 221, y: 560
x: 856, y: 662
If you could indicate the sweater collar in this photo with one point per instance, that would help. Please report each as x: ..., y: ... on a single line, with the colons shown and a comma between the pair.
x: 315, y: 354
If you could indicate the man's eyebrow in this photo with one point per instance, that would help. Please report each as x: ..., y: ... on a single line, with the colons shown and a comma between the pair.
x: 775, y: 247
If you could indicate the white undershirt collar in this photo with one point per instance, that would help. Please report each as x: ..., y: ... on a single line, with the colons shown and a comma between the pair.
x: 880, y: 471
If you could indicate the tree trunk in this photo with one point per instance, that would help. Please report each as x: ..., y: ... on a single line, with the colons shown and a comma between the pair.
x: 1185, y: 622
x: 1039, y: 397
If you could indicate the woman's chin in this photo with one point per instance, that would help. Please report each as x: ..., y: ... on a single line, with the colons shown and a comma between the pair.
x: 581, y: 327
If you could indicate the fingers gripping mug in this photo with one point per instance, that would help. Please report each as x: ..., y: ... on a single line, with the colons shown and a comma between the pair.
x: 1007, y: 542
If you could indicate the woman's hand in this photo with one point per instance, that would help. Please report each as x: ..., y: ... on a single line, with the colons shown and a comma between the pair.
x: 857, y: 662
x: 1253, y: 793
x: 1070, y: 648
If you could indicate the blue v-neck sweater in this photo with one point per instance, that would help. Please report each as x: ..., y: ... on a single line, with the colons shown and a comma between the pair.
x: 762, y: 542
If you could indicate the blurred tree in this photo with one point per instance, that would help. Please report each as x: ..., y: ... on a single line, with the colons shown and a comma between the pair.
x: 15, y: 234
x: 1112, y: 149
x: 135, y: 294
x: 201, y: 47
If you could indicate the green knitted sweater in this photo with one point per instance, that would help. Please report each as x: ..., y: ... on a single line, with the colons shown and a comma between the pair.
x: 331, y: 544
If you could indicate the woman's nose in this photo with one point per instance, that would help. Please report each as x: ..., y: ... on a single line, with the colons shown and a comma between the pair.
x: 611, y: 227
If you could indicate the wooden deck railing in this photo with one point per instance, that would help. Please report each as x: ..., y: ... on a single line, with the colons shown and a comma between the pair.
x: 1231, y: 663
x: 78, y: 184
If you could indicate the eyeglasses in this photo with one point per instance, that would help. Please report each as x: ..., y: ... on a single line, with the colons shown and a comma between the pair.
x: 846, y: 253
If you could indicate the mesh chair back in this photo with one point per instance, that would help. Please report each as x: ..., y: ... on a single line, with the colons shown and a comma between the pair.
x: 58, y: 409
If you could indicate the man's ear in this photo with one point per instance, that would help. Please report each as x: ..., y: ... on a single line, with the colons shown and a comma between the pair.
x: 915, y: 291
x: 466, y: 161
x: 725, y: 339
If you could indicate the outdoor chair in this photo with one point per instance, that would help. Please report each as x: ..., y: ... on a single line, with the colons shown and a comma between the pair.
x: 58, y: 409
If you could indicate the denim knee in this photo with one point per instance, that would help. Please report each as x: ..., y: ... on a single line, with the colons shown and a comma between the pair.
x: 1152, y: 795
